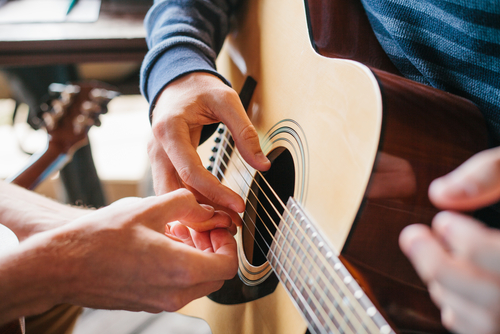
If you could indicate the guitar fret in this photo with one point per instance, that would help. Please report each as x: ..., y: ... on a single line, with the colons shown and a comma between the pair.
x: 319, y: 284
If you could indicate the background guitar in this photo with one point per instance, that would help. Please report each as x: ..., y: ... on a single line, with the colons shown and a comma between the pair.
x: 355, y: 148
x: 67, y: 116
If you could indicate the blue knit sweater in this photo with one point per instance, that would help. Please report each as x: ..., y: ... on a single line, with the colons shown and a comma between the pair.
x: 453, y: 45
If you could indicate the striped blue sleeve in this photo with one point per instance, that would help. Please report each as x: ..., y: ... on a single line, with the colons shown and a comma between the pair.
x: 452, y: 45
x: 183, y: 36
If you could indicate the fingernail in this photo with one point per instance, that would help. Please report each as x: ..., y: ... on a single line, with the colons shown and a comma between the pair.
x: 207, y: 207
x: 261, y: 158
x: 235, y: 208
x: 417, y: 246
x: 180, y: 232
x: 442, y: 221
x: 449, y: 187
x: 410, y: 239
x: 222, y: 226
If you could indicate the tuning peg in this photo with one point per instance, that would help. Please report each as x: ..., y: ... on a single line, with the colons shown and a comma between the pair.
x: 69, y: 93
x: 90, y: 108
x: 102, y: 96
x: 66, y: 92
x: 49, y: 121
x: 57, y: 88
x: 79, y: 123
x: 58, y: 108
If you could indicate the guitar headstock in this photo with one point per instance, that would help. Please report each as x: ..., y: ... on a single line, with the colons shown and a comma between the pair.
x: 72, y: 109
x: 67, y: 115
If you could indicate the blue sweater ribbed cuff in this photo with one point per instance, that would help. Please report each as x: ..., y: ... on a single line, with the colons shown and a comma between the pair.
x: 170, y: 65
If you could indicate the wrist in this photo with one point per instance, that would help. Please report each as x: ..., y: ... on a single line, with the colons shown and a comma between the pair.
x: 27, y: 213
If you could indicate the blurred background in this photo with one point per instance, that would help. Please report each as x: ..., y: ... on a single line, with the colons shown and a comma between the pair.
x: 103, y: 40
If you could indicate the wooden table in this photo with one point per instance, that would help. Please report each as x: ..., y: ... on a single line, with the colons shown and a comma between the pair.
x: 118, y: 35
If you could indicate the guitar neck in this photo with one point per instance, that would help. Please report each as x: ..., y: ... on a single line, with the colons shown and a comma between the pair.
x: 318, y: 282
x: 42, y: 165
x: 67, y: 119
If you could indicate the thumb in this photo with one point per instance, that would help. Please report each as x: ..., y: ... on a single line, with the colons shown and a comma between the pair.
x: 178, y: 205
x: 474, y: 184
x: 181, y: 205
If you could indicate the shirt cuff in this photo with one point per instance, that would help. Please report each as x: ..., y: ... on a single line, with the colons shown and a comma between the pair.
x: 172, y: 64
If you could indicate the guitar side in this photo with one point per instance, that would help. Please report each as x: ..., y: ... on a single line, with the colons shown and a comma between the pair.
x: 346, y: 121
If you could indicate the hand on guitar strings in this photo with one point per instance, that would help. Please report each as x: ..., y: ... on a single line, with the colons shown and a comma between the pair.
x: 459, y: 257
x: 181, y: 111
x: 119, y: 257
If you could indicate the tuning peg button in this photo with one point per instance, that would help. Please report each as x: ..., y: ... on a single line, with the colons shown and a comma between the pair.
x: 68, y: 94
x: 90, y: 108
x: 102, y: 96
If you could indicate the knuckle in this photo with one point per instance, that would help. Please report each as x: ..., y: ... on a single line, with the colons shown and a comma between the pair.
x: 184, y: 195
x: 248, y: 133
x: 231, y: 94
x: 186, y: 173
x: 158, y: 129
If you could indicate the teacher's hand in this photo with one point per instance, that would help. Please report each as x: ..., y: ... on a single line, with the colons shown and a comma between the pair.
x: 183, y: 108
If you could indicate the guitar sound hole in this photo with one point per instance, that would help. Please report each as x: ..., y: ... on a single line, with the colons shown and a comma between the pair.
x: 264, y: 209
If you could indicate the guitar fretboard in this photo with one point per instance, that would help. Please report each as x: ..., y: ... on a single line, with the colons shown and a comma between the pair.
x: 322, y: 288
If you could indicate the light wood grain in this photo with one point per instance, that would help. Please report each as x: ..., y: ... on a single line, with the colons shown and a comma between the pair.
x: 337, y: 105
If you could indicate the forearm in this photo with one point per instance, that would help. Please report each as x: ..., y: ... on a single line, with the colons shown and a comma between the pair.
x: 27, y: 213
x: 29, y: 279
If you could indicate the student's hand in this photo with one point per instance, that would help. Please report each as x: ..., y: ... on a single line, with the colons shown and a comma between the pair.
x: 182, y: 109
x: 459, y: 258
x: 119, y: 257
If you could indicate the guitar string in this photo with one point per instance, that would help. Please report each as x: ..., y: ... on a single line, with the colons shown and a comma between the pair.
x: 311, y: 244
x: 337, y: 279
x: 359, y: 320
x: 309, y: 241
x: 312, y: 314
x: 312, y: 261
x: 305, y: 286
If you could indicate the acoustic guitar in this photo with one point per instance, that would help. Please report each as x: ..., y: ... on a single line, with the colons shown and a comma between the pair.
x: 353, y: 150
x: 67, y: 115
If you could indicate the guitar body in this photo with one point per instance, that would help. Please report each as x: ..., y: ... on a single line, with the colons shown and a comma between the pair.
x: 356, y: 147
